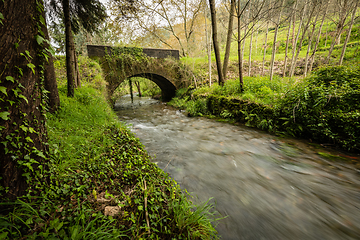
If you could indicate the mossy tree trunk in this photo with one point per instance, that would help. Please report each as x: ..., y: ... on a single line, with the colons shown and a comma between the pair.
x: 22, y: 104
x: 50, y: 77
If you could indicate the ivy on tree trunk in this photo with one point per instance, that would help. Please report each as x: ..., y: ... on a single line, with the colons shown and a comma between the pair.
x: 22, y: 104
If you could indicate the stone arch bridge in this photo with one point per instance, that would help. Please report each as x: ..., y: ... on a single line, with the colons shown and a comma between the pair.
x: 161, y: 66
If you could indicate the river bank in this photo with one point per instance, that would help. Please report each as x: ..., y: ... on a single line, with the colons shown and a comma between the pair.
x: 323, y: 108
x: 99, y: 182
x: 268, y: 187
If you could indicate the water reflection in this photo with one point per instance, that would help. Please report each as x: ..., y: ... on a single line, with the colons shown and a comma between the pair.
x: 270, y: 188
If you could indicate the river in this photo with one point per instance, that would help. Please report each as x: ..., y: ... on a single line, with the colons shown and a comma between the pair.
x: 268, y: 187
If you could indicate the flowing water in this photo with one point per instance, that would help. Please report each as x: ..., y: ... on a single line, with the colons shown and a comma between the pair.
x: 269, y: 187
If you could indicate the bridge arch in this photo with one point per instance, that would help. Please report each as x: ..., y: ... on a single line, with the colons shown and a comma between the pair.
x: 162, y: 66
x: 168, y: 89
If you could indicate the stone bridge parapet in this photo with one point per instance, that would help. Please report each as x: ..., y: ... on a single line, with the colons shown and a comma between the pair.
x: 162, y: 67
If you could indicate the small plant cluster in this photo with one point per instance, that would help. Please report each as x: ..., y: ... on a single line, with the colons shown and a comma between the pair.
x: 101, y: 184
x: 324, y: 107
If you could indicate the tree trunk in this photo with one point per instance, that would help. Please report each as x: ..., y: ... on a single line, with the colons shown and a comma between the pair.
x: 348, y: 34
x: 312, y: 58
x: 50, y: 77
x: 247, y: 21
x: 342, y: 19
x: 292, y: 70
x: 293, y: 12
x: 340, y: 27
x: 311, y: 36
x: 228, y: 38
x: 78, y: 78
x: 74, y: 61
x: 22, y: 102
x: 274, y: 43
x: 137, y: 84
x: 296, y: 39
x: 287, y: 47
x: 241, y: 81
x: 250, y: 48
x: 215, y: 42
x: 208, y: 45
x: 256, y: 41
x: 266, y: 37
x: 69, y: 50
x: 131, y: 91
x: 265, y: 46
x: 326, y: 34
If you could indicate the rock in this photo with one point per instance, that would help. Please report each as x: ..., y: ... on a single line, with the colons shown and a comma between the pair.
x: 112, y: 210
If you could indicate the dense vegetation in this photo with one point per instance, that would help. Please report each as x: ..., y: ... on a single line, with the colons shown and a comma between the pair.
x: 324, y: 107
x: 100, y: 183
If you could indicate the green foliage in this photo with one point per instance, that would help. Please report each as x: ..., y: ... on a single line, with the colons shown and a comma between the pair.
x: 324, y: 107
x: 197, y: 107
x: 97, y: 163
x: 89, y: 69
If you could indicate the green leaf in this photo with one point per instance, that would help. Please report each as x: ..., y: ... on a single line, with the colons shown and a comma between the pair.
x: 29, y: 139
x: 23, y: 97
x: 42, y: 20
x: 4, y: 115
x: 10, y: 78
x: 20, y: 70
x: 32, y: 66
x: 28, y: 54
x: 29, y: 221
x: 40, y: 154
x: 31, y: 130
x: 3, y: 90
x: 39, y: 39
x: 4, y: 234
x: 25, y: 129
x: 1, y: 18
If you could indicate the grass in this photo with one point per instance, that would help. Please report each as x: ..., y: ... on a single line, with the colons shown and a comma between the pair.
x: 100, y: 183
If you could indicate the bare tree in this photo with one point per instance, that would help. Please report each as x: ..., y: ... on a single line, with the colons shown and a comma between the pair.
x: 293, y: 59
x: 266, y: 38
x: 312, y: 58
x: 250, y: 48
x: 159, y: 19
x: 345, y: 9
x: 292, y: 17
x: 229, y: 37
x: 239, y: 13
x: 215, y: 42
x: 349, y: 33
x: 306, y: 27
x: 208, y: 43
x: 310, y: 38
x: 274, y: 43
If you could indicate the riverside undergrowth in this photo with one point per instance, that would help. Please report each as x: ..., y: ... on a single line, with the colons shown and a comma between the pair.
x: 99, y: 183
x: 323, y: 107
